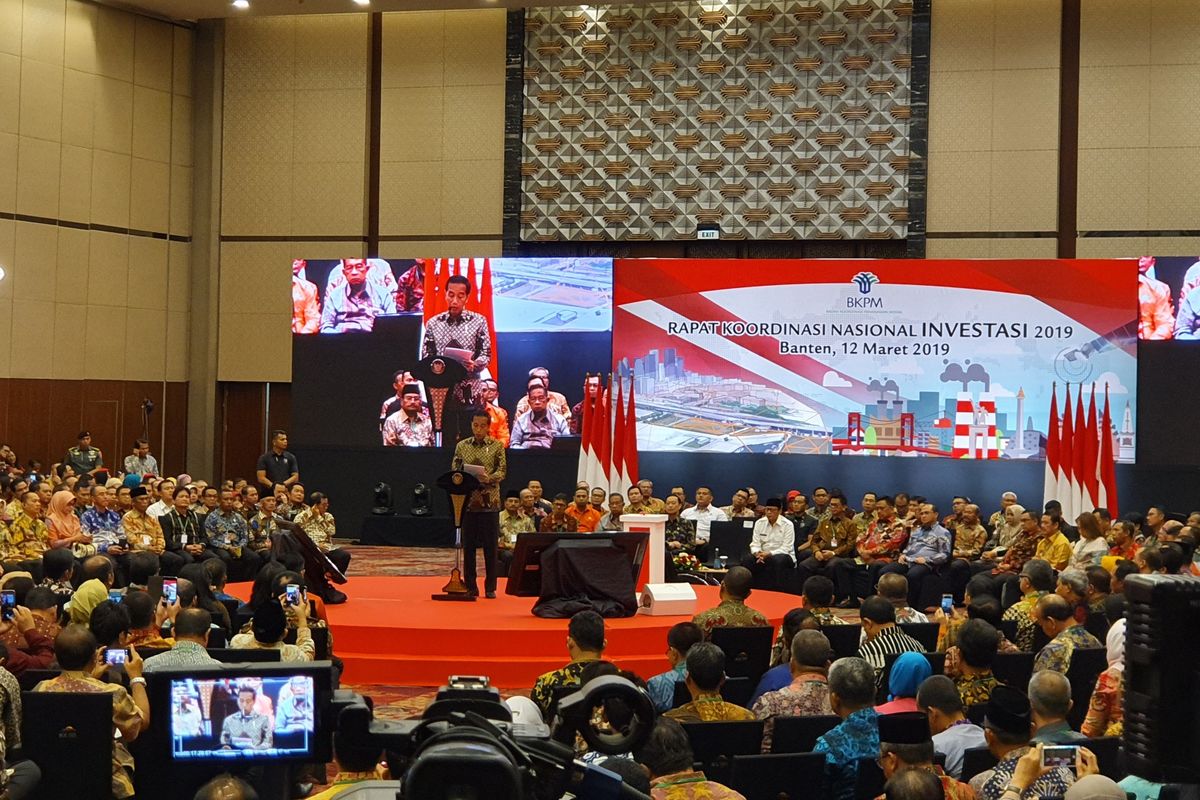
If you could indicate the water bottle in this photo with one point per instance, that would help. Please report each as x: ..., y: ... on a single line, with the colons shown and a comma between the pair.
x: 716, y: 561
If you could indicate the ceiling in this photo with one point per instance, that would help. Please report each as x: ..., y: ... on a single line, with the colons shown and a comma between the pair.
x: 206, y: 9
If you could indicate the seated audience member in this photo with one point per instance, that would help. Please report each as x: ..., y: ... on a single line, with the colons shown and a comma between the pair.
x: 585, y: 643
x: 144, y: 533
x: 908, y: 673
x: 680, y: 639
x: 1020, y: 551
x: 830, y: 549
x: 1106, y: 711
x: 143, y: 565
x: 1099, y: 588
x: 779, y: 674
x: 58, y: 567
x: 978, y: 642
x: 1036, y: 581
x: 218, y: 576
x: 1057, y: 620
x: 818, y: 597
x: 1053, y: 545
x: 356, y: 293
x: 558, y: 520
x: 538, y: 427
x: 808, y: 693
x: 635, y: 504
x: 705, y: 676
x: 883, y: 635
x: 985, y: 608
x: 17, y: 780
x: 772, y: 547
x: 668, y: 758
x: 184, y: 533
x: 611, y: 521
x: 25, y: 538
x: 680, y: 534
x: 1072, y: 586
x: 27, y: 648
x: 704, y: 513
x: 879, y: 543
x: 739, y: 507
x: 906, y: 743
x: 1050, y: 702
x: 270, y: 625
x: 512, y: 524
x: 1148, y: 560
x: 916, y: 784
x: 356, y: 763
x: 43, y: 607
x: 191, y: 640
x: 318, y: 523
x: 652, y: 504
x: 205, y: 598
x: 587, y: 519
x: 91, y: 593
x: 953, y: 733
x: 62, y: 524
x: 732, y: 611
x: 163, y: 500
x: 1124, y: 545
x: 948, y: 624
x: 556, y: 401
x: 229, y: 538
x: 893, y: 587
x: 1091, y: 546
x: 1007, y: 727
x: 925, y: 553
x: 852, y: 697
x: 78, y: 653
x: 146, y: 619
x: 410, y: 426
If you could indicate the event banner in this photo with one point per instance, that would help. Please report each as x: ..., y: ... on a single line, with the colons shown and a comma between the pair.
x: 953, y: 358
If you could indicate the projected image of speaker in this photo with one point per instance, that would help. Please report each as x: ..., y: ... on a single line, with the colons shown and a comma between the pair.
x: 1162, y: 671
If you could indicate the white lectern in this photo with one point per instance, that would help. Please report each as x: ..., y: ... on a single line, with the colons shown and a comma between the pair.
x: 656, y: 526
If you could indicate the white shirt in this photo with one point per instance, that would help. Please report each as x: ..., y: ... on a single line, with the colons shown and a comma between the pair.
x: 703, y: 519
x: 777, y: 539
x: 1086, y: 553
x: 156, y: 510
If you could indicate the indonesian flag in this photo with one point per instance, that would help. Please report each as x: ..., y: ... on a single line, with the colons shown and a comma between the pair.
x: 1091, y: 461
x: 631, y: 446
x: 1107, y: 497
x: 587, y: 451
x: 1079, y: 451
x: 617, y: 480
x: 1066, y: 444
x: 1050, y: 482
x: 602, y: 439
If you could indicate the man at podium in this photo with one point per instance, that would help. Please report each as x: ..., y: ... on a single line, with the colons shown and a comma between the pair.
x: 483, y: 457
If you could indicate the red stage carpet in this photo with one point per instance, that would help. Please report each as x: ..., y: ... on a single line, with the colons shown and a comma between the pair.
x: 391, y: 632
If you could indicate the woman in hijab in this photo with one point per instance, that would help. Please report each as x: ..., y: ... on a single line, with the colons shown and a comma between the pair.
x: 1007, y: 530
x: 89, y: 595
x: 1106, y: 711
x: 63, y: 524
x: 908, y: 673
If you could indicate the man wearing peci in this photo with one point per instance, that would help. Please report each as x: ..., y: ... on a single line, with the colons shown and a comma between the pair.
x: 481, y: 516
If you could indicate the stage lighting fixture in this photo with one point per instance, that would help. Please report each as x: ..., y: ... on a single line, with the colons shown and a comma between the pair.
x: 241, y: 5
x: 383, y: 500
x: 420, y: 501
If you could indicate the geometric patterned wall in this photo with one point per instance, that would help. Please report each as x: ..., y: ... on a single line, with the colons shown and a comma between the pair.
x: 774, y: 119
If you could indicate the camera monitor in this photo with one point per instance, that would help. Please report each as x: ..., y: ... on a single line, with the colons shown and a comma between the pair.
x: 246, y: 713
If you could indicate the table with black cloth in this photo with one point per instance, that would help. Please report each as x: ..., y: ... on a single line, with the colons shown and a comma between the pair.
x: 407, y: 531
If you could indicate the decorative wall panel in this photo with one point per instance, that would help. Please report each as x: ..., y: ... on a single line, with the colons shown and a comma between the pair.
x: 774, y: 119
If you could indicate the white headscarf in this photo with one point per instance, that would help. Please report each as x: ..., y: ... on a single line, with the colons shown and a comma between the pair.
x: 1115, y: 644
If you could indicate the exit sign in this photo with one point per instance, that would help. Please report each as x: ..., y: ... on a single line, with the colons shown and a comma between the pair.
x: 708, y: 232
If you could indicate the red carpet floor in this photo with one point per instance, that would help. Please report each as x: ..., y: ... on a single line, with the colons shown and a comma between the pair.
x: 391, y: 632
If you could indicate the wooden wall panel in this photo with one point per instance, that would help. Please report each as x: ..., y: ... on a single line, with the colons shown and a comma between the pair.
x: 243, y: 423
x: 41, y: 418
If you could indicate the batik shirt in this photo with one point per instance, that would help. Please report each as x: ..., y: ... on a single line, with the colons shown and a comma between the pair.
x: 24, y: 539
x: 410, y: 289
x: 261, y: 529
x: 543, y: 691
x: 488, y: 454
x: 10, y: 715
x: 690, y: 786
x: 682, y: 531
x: 807, y: 696
x: 1106, y: 711
x: 1021, y: 550
x: 1019, y: 612
x: 661, y: 687
x: 143, y: 532
x: 511, y: 525
x: 975, y: 690
x: 226, y: 531
x: 1057, y: 654
x: 990, y: 785
x: 969, y: 541
x: 857, y: 736
x: 552, y: 524
x: 709, y: 708
x: 400, y: 431
x: 825, y: 616
x: 468, y: 331
x: 730, y: 614
x: 252, y: 731
x: 883, y: 541
x: 320, y: 528
x: 137, y: 465
x: 838, y: 535
x: 954, y: 790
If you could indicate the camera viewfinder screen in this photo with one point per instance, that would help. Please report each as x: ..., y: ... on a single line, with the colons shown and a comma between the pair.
x: 242, y: 719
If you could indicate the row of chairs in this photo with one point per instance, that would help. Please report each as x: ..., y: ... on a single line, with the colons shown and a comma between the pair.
x: 227, y: 655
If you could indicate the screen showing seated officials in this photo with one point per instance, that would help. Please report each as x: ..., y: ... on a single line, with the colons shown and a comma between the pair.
x: 1168, y: 308
x: 242, y: 718
x: 397, y: 352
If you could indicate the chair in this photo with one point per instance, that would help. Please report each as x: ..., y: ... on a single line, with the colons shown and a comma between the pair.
x: 924, y: 632
x: 778, y: 777
x: 231, y: 607
x: 869, y: 783
x: 747, y: 651
x: 682, y: 696
x: 1086, y: 665
x: 800, y: 734
x: 937, y: 664
x: 844, y: 640
x: 1009, y: 628
x: 976, y: 713
x: 148, y: 652
x: 1108, y: 755
x: 975, y: 761
x: 1014, y: 669
x: 714, y: 744
x: 75, y: 729
x: 1097, y: 624
x: 738, y: 691
x: 32, y: 677
x: 234, y: 655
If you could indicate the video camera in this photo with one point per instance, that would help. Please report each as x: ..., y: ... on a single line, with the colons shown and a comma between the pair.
x: 466, y: 744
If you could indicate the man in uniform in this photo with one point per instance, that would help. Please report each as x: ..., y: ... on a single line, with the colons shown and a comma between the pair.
x: 481, y: 516
x: 85, y: 459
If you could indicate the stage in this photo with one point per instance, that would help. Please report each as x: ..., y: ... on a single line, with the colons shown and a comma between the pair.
x: 391, y: 632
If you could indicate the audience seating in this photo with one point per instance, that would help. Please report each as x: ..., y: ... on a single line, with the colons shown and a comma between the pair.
x: 977, y: 760
x: 1086, y: 665
x: 1108, y: 755
x: 778, y: 777
x: 32, y: 677
x: 800, y: 734
x: 682, y: 696
x: 1009, y: 628
x: 60, y: 729
x: 714, y: 744
x: 1014, y: 669
x: 234, y: 655
x: 1097, y: 624
x: 924, y: 632
x: 738, y: 691
x: 231, y: 608
x: 844, y: 640
x: 216, y: 634
x: 320, y: 637
x: 976, y: 713
x: 870, y: 781
x: 747, y: 651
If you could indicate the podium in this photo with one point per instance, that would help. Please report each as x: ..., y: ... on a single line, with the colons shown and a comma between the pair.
x: 654, y: 566
x: 457, y: 484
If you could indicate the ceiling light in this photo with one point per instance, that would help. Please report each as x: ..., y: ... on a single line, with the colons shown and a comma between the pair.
x: 1, y: 273
x: 241, y: 4
x: 362, y: 2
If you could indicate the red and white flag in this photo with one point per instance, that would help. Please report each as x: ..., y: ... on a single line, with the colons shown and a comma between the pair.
x: 587, y: 451
x: 1079, y: 451
x: 1091, y: 461
x: 1108, y: 471
x: 1050, y: 482
x: 631, y: 447
x: 602, y: 438
x: 616, y: 467
x: 1066, y: 460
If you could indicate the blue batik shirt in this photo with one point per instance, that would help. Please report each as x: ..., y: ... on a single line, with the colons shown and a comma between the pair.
x: 856, y: 737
